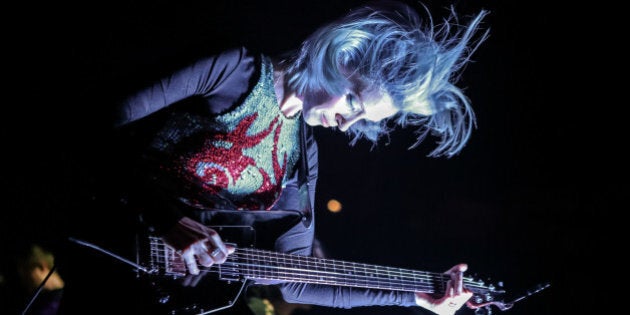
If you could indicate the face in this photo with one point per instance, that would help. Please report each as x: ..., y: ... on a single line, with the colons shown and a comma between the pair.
x: 344, y: 110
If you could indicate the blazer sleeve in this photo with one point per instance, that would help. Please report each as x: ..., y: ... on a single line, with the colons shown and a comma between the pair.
x: 219, y: 81
x: 299, y: 241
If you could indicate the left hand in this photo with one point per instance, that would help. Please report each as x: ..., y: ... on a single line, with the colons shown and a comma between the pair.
x: 455, y: 295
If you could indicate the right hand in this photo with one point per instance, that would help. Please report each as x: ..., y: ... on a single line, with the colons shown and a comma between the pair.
x: 197, y: 243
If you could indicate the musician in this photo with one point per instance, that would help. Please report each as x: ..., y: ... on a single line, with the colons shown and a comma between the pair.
x: 33, y: 285
x: 237, y: 133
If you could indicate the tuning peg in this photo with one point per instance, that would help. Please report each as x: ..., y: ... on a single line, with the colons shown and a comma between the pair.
x: 489, y: 297
x: 483, y: 311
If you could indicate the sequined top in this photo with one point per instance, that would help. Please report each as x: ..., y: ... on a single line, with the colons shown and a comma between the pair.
x: 238, y: 159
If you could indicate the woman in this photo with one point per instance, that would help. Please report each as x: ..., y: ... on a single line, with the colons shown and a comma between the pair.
x: 237, y: 136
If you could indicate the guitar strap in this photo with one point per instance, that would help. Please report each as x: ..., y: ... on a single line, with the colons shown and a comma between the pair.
x: 304, y: 173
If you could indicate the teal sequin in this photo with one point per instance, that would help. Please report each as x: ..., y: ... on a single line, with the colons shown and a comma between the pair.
x: 243, y: 155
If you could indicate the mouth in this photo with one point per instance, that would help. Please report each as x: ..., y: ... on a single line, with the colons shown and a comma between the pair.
x: 325, y: 121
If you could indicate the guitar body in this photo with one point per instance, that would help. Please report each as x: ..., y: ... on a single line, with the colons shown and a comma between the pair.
x: 220, y: 289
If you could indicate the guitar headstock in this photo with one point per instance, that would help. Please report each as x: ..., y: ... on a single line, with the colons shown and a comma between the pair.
x: 486, y: 295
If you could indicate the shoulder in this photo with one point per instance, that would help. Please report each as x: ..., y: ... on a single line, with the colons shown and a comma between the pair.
x: 235, y: 59
x: 236, y: 68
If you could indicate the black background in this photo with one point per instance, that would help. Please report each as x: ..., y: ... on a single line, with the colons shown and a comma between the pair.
x: 520, y: 204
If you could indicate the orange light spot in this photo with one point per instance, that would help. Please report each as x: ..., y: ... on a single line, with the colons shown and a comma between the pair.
x: 334, y: 205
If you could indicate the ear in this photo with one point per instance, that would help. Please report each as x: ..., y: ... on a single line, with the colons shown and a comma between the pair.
x: 40, y: 271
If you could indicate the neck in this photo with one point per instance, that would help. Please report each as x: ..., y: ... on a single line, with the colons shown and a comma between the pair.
x: 290, y: 104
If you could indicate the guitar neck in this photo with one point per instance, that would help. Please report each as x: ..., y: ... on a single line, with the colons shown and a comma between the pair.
x: 257, y: 264
x: 274, y: 266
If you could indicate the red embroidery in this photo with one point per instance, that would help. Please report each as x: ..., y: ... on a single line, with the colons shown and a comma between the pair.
x: 221, y: 162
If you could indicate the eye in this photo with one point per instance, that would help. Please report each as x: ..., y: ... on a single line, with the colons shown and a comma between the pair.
x: 353, y: 103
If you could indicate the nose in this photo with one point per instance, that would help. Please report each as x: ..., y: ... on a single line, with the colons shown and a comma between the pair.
x: 344, y: 115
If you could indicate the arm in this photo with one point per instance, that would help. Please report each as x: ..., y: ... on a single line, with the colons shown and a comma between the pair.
x: 219, y: 80
x: 348, y: 297
x: 299, y: 241
x: 216, y: 83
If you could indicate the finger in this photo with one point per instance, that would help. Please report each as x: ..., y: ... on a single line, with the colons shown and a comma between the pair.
x: 230, y: 249
x: 458, y: 268
x: 449, y: 289
x: 192, y: 267
x: 220, y: 252
x: 462, y: 267
x: 458, y: 284
x: 200, y: 250
x: 221, y: 257
x: 216, y: 242
x: 460, y: 278
x: 218, y: 256
x: 205, y: 259
x: 191, y: 264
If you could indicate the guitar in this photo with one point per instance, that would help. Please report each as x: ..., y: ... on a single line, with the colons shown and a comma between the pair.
x: 165, y: 270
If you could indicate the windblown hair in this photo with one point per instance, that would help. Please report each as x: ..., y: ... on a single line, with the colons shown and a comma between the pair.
x: 386, y: 44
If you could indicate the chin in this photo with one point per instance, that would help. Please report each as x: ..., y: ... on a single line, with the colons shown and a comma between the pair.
x: 312, y: 122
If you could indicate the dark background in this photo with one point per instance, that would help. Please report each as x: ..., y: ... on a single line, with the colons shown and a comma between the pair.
x: 521, y: 203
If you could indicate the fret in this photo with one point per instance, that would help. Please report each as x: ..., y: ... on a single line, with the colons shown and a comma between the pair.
x: 364, y: 275
x: 245, y: 263
x: 285, y: 264
x: 255, y: 265
x: 306, y: 263
x: 334, y: 270
x: 354, y: 272
x: 345, y: 273
x: 275, y: 271
x: 266, y: 266
x: 374, y: 275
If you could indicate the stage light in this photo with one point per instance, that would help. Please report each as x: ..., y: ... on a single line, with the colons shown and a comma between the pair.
x: 334, y: 205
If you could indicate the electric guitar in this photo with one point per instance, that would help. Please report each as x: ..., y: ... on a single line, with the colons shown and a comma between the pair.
x: 166, y: 269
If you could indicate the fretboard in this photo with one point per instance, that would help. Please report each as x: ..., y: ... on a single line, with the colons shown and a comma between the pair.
x: 256, y: 264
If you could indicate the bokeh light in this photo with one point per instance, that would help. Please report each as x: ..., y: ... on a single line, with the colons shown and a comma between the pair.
x: 334, y: 205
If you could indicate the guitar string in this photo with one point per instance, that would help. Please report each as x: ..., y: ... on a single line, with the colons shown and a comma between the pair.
x: 262, y: 272
x: 268, y: 256
x: 392, y: 272
x: 267, y: 272
x: 394, y: 275
x: 286, y: 273
x: 334, y: 265
x: 301, y: 260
